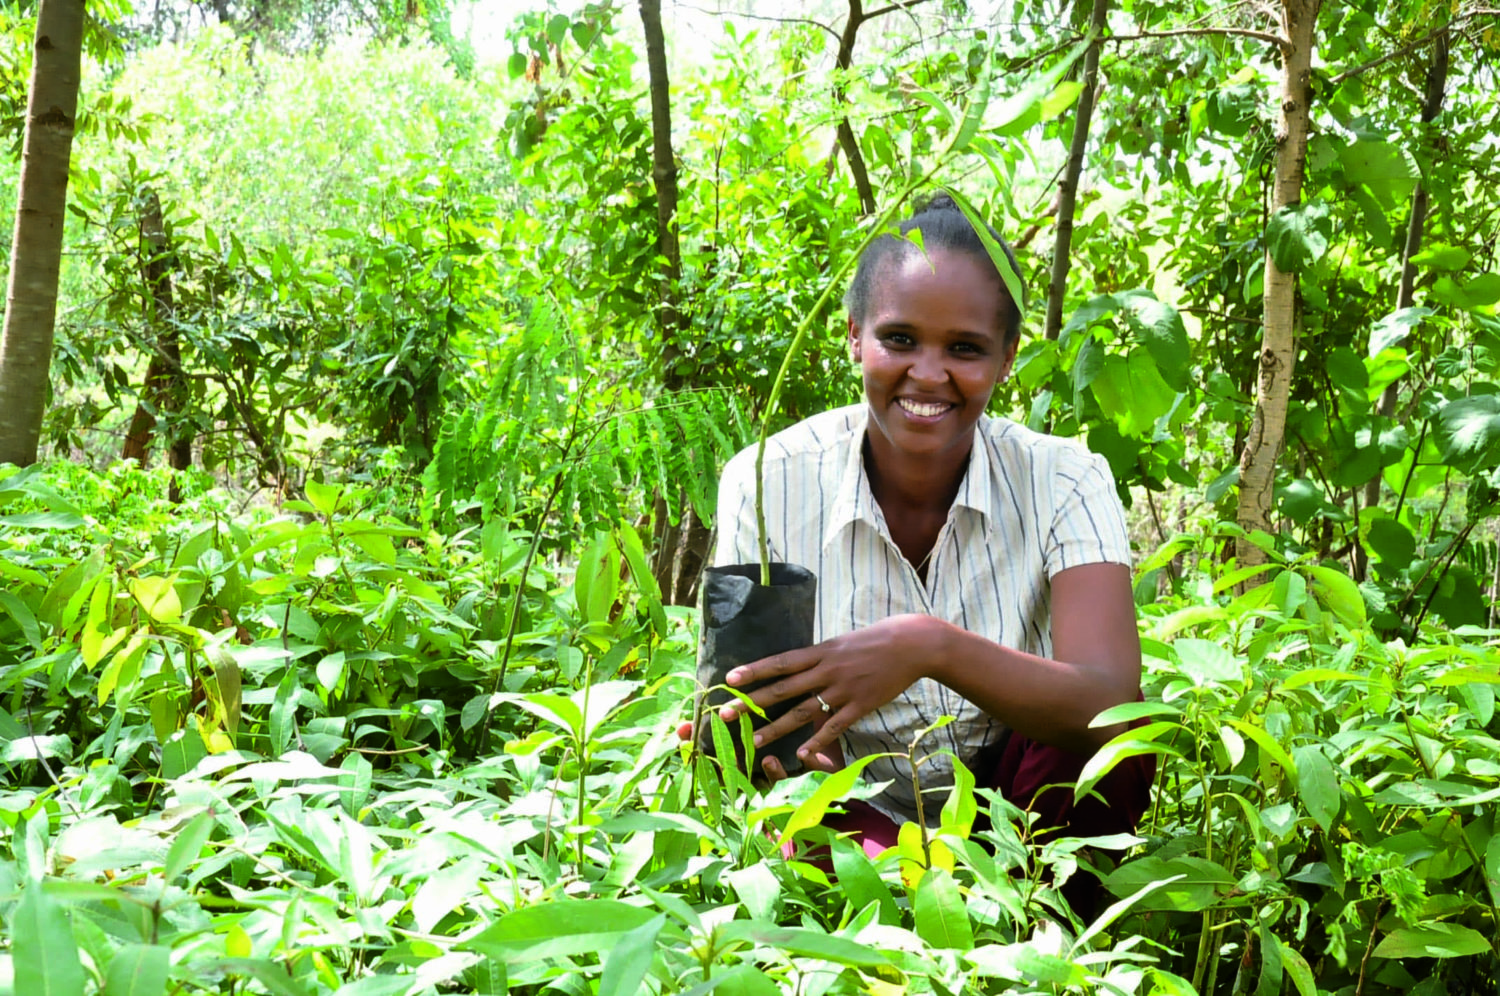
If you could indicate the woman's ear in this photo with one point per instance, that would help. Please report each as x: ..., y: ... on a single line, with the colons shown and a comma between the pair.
x: 1010, y: 359
x: 854, y: 352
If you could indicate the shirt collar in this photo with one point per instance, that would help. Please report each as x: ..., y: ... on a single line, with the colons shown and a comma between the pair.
x: 854, y: 500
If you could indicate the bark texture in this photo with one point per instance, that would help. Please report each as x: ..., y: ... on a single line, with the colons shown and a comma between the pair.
x: 1067, y: 200
x: 847, y: 141
x: 164, y: 386
x: 679, y: 551
x: 36, y: 247
x: 1278, y: 346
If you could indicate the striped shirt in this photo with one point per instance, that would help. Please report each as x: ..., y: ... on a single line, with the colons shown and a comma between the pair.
x: 1030, y: 505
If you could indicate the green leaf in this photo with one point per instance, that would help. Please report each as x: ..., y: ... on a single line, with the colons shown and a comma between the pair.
x: 1060, y: 99
x: 187, y: 845
x: 42, y: 520
x: 158, y: 596
x: 861, y: 885
x: 1297, y: 236
x: 1008, y: 273
x: 758, y: 890
x: 1132, y: 393
x: 44, y: 955
x: 1492, y: 868
x: 1205, y: 662
x: 627, y: 963
x: 837, y: 785
x: 323, y: 497
x: 1159, y: 328
x: 939, y: 913
x: 182, y: 753
x: 1385, y: 168
x: 516, y: 65
x: 23, y: 617
x: 1482, y: 291
x: 1187, y: 884
x: 1433, y: 940
x: 558, y: 929
x: 960, y: 808
x: 800, y: 942
x: 1268, y: 746
x: 138, y: 970
x: 1467, y: 432
x: 741, y: 980
x: 1318, y: 785
x: 1298, y: 969
x: 1339, y: 594
x: 1440, y: 256
x: 1393, y: 329
x: 1131, y: 743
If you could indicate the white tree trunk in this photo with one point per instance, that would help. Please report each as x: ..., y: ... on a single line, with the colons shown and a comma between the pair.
x: 1278, y: 346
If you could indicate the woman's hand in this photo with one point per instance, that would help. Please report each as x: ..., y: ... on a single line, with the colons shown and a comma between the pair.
x: 854, y: 674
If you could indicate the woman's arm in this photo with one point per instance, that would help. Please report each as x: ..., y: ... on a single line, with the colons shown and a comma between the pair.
x: 1096, y: 664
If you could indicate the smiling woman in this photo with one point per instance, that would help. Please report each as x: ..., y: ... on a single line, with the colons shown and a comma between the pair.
x: 967, y: 567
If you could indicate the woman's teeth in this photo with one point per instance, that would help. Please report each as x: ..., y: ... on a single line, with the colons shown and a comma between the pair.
x: 922, y: 410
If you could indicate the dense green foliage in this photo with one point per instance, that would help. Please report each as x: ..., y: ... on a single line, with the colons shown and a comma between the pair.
x: 385, y: 702
x: 249, y: 746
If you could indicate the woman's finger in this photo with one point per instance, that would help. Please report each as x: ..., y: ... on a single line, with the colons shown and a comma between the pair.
x: 807, y: 711
x: 801, y: 684
x: 774, y: 667
x: 825, y: 739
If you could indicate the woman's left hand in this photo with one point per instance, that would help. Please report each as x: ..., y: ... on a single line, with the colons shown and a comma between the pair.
x: 855, y: 674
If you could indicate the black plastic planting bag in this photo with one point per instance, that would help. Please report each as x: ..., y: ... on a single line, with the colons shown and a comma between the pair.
x: 744, y: 621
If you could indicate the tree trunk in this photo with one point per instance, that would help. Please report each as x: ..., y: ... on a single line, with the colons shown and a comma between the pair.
x: 1278, y: 345
x: 1432, y: 105
x: 664, y: 175
x: 668, y: 537
x: 164, y: 386
x: 36, y: 248
x: 847, y: 140
x: 1068, y: 189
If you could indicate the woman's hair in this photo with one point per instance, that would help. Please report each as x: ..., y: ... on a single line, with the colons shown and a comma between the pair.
x: 943, y: 226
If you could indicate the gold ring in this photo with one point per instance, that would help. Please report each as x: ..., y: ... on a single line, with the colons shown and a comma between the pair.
x: 825, y: 705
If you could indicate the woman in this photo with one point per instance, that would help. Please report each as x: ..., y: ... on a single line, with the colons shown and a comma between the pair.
x: 966, y: 566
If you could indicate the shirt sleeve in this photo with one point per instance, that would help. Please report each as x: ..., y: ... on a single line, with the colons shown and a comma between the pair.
x: 1088, y: 523
x: 735, y: 518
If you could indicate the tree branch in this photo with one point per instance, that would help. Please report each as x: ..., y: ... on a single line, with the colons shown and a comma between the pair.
x: 1198, y: 32
x: 761, y: 17
x: 894, y: 6
x: 1457, y: 22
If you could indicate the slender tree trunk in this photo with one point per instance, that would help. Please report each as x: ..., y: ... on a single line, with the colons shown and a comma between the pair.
x: 667, y: 537
x: 847, y: 140
x: 664, y: 175
x: 36, y: 248
x: 1067, y: 200
x: 1432, y: 105
x: 164, y: 387
x: 1278, y: 346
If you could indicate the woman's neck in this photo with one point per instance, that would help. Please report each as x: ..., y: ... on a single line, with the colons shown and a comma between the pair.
x: 911, y: 484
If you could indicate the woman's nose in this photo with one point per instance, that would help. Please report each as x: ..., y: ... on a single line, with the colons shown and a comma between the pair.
x: 928, y: 367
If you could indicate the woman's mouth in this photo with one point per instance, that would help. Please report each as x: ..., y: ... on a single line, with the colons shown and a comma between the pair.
x: 923, y: 409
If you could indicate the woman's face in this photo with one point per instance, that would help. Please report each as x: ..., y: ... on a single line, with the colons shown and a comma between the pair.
x: 931, y: 350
